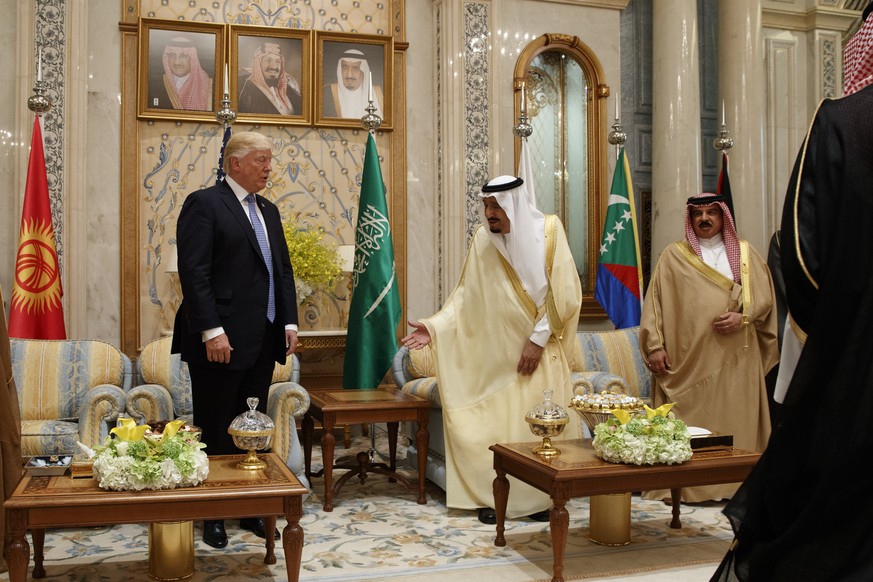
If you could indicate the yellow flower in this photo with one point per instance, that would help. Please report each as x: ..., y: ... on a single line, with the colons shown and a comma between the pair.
x: 314, y: 261
x: 129, y: 431
x: 172, y: 428
x: 662, y: 410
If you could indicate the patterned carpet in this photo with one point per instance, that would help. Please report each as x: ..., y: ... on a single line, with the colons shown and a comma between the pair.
x: 377, y: 531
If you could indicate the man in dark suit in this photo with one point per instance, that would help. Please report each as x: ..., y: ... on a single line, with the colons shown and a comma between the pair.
x: 239, y: 310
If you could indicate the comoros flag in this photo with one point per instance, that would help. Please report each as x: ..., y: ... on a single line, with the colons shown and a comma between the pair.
x: 618, y: 287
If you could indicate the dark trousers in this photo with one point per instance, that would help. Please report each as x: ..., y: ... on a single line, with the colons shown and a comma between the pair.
x: 220, y: 394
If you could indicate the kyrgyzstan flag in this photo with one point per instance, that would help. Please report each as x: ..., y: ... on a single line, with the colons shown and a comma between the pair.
x: 619, y: 282
x: 36, y: 311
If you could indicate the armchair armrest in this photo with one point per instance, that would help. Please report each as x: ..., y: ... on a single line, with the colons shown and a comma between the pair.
x: 400, y: 367
x: 594, y: 382
x: 150, y: 402
x: 99, y: 412
x: 287, y: 402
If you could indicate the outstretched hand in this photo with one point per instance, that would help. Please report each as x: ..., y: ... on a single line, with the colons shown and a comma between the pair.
x: 419, y: 338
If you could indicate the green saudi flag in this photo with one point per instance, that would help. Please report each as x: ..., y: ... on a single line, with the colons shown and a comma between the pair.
x: 375, y: 310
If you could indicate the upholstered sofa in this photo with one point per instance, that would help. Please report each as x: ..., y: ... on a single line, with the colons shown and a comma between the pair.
x: 603, y: 360
x: 163, y: 391
x: 68, y: 391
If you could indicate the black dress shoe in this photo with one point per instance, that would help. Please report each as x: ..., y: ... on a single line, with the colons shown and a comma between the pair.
x: 256, y: 526
x: 487, y: 515
x: 540, y: 515
x: 214, y: 534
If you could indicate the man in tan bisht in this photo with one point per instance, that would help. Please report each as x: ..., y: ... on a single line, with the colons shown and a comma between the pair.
x: 10, y: 426
x: 708, y: 333
x: 504, y: 336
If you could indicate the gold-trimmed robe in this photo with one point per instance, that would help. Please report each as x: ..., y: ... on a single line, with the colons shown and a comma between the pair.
x: 478, y: 337
x: 716, y: 381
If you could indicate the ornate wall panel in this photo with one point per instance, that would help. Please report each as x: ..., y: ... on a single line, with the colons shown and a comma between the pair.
x: 476, y: 112
x: 317, y: 180
x: 356, y: 16
x: 51, y: 22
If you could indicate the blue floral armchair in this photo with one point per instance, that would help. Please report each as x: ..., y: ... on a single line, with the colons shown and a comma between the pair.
x: 68, y: 391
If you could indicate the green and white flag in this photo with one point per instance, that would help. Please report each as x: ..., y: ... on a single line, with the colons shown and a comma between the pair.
x: 375, y: 310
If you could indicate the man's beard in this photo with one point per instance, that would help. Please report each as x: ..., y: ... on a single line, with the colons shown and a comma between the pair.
x: 272, y: 81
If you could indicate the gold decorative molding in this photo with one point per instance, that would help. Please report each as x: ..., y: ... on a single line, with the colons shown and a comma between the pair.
x: 596, y: 135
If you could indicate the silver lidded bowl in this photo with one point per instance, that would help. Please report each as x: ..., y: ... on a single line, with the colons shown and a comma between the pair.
x: 252, y: 431
x: 547, y: 420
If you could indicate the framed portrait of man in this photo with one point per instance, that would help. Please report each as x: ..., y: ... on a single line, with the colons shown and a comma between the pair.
x: 352, y: 71
x: 270, y: 74
x: 180, y: 69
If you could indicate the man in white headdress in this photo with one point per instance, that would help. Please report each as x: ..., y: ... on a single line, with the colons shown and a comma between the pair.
x: 503, y: 337
x: 267, y: 87
x: 349, y: 96
x: 181, y: 82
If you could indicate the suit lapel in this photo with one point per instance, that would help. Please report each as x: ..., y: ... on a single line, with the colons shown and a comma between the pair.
x: 236, y: 210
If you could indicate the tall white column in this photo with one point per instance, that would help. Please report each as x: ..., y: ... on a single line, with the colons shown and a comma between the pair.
x: 676, y: 172
x: 741, y: 86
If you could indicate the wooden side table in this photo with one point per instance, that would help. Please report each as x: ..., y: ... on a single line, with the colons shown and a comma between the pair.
x: 38, y: 503
x: 384, y: 404
x: 578, y: 472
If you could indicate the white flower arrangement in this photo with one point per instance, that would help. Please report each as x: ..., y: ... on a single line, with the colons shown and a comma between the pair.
x: 131, y: 460
x: 643, y: 439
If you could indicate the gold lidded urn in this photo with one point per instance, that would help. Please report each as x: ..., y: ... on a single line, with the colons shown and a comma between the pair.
x: 252, y: 431
x: 547, y: 420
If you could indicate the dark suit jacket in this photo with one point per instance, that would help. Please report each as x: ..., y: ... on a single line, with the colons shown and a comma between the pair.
x: 225, y: 280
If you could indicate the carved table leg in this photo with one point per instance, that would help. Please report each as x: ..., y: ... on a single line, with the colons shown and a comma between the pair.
x: 308, y: 426
x: 559, y: 524
x: 392, y: 449
x: 422, y: 439
x: 328, y: 442
x: 270, y: 530
x: 676, y: 497
x: 17, y: 550
x: 292, y: 537
x: 38, y: 536
x: 500, y: 486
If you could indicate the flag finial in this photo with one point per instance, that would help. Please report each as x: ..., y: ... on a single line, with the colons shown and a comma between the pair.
x: 724, y: 141
x: 225, y: 116
x: 38, y: 102
x: 523, y: 129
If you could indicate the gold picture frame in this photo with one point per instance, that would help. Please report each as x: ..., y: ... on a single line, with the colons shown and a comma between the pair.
x: 282, y: 57
x: 364, y: 53
x: 180, y: 69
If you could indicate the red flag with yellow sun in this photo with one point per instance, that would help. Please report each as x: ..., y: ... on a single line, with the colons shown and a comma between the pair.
x: 36, y: 311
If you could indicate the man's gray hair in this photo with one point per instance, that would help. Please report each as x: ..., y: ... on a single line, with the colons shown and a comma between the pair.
x: 242, y: 144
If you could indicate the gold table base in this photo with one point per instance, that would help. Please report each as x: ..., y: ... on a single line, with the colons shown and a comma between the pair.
x: 609, y: 519
x: 171, y: 550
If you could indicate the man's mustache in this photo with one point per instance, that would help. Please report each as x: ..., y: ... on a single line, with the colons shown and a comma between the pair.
x: 704, y: 223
